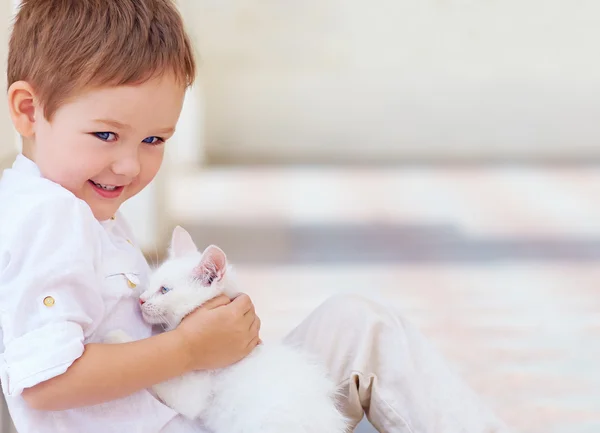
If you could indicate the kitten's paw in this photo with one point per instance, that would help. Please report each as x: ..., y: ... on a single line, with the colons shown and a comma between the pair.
x: 188, y: 395
x: 117, y: 336
x: 177, y: 400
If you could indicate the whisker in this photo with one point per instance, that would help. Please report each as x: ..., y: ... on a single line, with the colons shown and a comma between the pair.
x: 164, y: 322
x: 155, y: 264
x: 156, y: 255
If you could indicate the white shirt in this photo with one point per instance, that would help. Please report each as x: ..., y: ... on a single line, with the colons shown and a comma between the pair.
x: 66, y: 280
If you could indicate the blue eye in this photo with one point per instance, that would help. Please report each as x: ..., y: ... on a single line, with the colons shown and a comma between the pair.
x: 106, y: 136
x: 153, y: 140
x: 164, y: 290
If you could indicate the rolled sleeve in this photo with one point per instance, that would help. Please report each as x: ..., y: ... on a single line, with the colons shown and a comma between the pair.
x: 41, y: 354
x: 49, y: 297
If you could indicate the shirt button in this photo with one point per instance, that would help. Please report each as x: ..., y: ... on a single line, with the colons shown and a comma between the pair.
x: 132, y: 280
x: 48, y: 301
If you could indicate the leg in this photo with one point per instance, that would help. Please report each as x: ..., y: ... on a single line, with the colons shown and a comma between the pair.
x: 388, y: 371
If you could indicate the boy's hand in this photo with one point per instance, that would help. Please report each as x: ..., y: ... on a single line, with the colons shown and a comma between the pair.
x: 220, y: 333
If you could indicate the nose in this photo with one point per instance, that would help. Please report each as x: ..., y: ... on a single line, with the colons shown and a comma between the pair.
x: 142, y: 302
x: 127, y: 165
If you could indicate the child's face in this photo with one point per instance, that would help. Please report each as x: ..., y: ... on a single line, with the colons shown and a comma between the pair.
x: 106, y: 145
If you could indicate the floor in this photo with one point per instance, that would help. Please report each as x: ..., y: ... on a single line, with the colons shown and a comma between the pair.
x: 498, y: 266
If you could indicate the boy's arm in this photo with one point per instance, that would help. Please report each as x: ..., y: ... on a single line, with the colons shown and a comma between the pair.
x: 218, y: 334
x: 111, y: 371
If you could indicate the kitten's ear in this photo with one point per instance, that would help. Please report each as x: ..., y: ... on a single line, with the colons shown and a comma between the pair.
x: 181, y: 243
x: 212, y: 266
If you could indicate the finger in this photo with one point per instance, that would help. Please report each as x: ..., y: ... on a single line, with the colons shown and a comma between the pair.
x: 253, y: 343
x: 248, y: 320
x: 216, y: 302
x: 252, y: 324
x: 243, y: 304
x: 251, y: 310
x: 258, y: 323
x: 255, y: 327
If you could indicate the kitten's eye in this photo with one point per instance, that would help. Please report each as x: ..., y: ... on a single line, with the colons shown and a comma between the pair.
x: 164, y: 290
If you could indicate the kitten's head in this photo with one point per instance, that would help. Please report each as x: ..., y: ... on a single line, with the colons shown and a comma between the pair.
x: 186, y: 280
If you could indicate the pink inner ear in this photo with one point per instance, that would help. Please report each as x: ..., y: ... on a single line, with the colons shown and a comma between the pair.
x: 212, y: 266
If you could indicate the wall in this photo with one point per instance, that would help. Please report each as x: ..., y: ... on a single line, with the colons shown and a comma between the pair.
x: 404, y: 79
x: 8, y: 143
x: 7, y: 147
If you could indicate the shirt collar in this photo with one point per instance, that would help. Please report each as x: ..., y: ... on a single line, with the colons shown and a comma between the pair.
x: 25, y: 165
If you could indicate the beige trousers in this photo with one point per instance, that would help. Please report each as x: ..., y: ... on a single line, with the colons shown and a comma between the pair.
x: 387, y: 370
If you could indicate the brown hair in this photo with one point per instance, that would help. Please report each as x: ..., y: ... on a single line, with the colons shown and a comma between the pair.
x: 61, y: 47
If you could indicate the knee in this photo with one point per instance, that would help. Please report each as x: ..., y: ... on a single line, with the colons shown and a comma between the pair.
x: 350, y: 302
x: 356, y: 308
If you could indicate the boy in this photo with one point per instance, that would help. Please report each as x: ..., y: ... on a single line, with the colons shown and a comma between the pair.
x: 95, y: 90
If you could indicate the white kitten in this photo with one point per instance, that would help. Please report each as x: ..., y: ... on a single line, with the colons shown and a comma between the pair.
x: 275, y: 389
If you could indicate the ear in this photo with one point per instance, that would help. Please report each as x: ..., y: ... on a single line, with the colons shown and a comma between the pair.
x: 212, y: 266
x: 22, y: 105
x: 181, y: 243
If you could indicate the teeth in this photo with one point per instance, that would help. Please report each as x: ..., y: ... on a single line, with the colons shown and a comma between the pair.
x: 105, y: 187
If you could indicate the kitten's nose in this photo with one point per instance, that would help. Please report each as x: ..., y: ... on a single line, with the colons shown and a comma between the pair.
x: 142, y: 302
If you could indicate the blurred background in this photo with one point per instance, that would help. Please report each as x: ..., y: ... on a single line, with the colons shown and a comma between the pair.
x: 439, y: 155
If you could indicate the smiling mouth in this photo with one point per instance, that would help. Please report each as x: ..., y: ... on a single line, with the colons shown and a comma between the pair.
x: 105, y: 187
x: 106, y: 191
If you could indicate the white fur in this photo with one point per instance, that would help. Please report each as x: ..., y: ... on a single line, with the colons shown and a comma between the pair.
x: 276, y: 389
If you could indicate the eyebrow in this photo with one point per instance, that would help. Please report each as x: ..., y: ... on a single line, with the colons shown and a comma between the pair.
x: 119, y: 125
x: 114, y: 123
